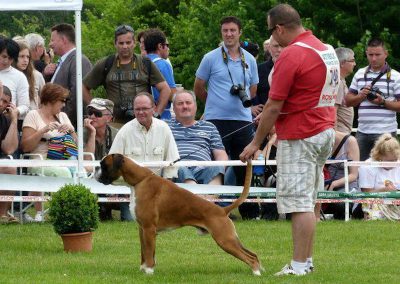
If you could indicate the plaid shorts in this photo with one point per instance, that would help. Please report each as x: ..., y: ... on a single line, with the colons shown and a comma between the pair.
x: 299, y: 175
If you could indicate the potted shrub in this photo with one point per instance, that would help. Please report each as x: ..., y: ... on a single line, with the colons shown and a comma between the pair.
x: 74, y: 213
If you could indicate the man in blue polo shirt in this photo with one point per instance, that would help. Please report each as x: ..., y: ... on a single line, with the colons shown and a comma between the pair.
x: 157, y: 48
x: 196, y: 140
x: 226, y: 80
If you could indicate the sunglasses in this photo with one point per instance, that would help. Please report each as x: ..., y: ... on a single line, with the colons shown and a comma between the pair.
x: 96, y: 112
x: 123, y: 29
x: 271, y: 30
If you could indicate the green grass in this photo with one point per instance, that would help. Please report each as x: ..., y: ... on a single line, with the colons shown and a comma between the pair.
x: 352, y: 252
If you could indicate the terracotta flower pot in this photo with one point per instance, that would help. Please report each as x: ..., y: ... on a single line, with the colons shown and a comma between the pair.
x: 77, y: 242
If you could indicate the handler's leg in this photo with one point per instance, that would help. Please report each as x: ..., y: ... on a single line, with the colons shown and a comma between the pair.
x: 303, y: 230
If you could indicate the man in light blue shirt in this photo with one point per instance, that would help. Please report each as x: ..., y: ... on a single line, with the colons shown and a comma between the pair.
x: 226, y: 80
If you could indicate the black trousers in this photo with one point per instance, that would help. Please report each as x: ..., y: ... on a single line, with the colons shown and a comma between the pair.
x: 234, y: 143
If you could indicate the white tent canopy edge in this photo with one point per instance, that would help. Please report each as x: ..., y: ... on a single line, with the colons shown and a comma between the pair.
x: 61, y: 5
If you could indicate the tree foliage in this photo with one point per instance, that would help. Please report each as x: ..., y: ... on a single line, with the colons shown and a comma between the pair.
x: 192, y: 26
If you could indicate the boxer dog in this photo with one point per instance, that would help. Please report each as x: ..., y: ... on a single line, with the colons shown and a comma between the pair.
x: 162, y: 205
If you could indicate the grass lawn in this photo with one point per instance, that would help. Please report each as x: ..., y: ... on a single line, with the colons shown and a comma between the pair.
x: 352, y: 252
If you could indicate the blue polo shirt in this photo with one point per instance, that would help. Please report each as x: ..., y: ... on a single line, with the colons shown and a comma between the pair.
x: 166, y: 70
x: 196, y: 142
x: 220, y: 104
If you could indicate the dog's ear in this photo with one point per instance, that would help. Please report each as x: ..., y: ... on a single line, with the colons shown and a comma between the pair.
x: 118, y: 160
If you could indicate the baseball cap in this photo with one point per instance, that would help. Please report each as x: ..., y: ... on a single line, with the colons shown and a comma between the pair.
x: 102, y: 104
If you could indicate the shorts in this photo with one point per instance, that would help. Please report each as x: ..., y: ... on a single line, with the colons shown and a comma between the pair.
x: 299, y: 175
x: 201, y: 175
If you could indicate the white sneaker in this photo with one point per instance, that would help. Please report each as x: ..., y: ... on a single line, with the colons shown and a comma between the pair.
x: 39, y: 217
x: 27, y: 218
x: 288, y: 270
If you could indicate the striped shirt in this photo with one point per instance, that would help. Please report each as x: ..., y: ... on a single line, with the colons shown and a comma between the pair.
x: 372, y: 118
x: 196, y: 142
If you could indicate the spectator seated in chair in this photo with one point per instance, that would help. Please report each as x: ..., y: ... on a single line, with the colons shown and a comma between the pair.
x: 196, y: 140
x: 98, y: 137
x: 8, y: 145
x: 345, y: 148
x: 381, y: 179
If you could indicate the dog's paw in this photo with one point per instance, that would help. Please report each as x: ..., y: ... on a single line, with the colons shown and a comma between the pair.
x: 147, y: 270
x: 257, y: 272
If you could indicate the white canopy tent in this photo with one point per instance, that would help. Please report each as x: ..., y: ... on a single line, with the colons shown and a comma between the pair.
x: 60, y: 5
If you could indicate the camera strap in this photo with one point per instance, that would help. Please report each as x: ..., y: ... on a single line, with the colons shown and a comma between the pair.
x: 243, y: 63
x: 388, y: 75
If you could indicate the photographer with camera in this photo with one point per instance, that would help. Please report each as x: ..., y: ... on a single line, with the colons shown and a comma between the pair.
x: 124, y: 75
x: 230, y: 74
x: 375, y: 89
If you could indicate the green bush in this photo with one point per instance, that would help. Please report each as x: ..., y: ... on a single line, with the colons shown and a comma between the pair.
x: 74, y: 209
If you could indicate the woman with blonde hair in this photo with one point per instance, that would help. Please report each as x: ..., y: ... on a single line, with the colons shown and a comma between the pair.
x: 381, y: 179
x: 35, y: 78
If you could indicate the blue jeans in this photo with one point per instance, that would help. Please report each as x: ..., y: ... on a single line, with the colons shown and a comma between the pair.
x: 201, y: 175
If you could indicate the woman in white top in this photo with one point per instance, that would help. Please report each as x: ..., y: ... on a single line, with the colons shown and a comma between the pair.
x: 381, y: 179
x: 42, y: 124
x: 35, y: 78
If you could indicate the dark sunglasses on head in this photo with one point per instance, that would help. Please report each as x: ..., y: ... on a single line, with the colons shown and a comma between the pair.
x: 123, y: 29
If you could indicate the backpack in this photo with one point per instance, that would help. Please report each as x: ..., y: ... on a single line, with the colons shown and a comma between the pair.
x: 109, y: 63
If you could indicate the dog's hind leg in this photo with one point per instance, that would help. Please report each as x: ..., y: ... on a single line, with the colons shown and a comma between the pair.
x: 224, y: 234
x: 142, y: 265
x: 148, y: 248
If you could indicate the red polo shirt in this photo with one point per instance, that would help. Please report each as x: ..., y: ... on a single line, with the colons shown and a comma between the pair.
x: 298, y: 79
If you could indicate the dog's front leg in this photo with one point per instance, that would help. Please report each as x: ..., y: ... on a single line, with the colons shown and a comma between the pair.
x: 148, y: 243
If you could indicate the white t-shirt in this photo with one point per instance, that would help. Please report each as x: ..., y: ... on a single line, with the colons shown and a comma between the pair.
x: 374, y: 177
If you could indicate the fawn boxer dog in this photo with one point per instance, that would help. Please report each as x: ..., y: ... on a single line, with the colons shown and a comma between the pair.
x: 161, y: 205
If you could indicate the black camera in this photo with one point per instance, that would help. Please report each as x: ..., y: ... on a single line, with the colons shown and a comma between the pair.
x: 372, y: 95
x: 238, y: 90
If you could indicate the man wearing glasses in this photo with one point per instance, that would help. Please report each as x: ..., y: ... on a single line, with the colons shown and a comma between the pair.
x: 146, y: 138
x: 125, y: 75
x: 157, y: 49
x: 99, y: 136
x: 344, y: 113
x: 301, y: 106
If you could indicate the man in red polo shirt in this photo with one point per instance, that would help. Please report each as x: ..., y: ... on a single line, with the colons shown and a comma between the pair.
x: 301, y: 105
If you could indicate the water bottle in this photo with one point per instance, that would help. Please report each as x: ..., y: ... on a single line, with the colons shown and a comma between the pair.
x: 259, y: 170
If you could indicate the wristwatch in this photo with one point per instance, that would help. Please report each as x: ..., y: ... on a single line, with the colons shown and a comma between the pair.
x: 383, y: 102
x: 156, y: 115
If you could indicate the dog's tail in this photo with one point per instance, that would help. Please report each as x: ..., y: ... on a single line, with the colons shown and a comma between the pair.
x: 245, y: 192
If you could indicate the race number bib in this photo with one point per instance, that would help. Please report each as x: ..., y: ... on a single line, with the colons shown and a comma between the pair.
x: 331, y: 86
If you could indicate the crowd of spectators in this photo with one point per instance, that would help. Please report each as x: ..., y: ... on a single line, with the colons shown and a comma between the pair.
x: 144, y: 116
